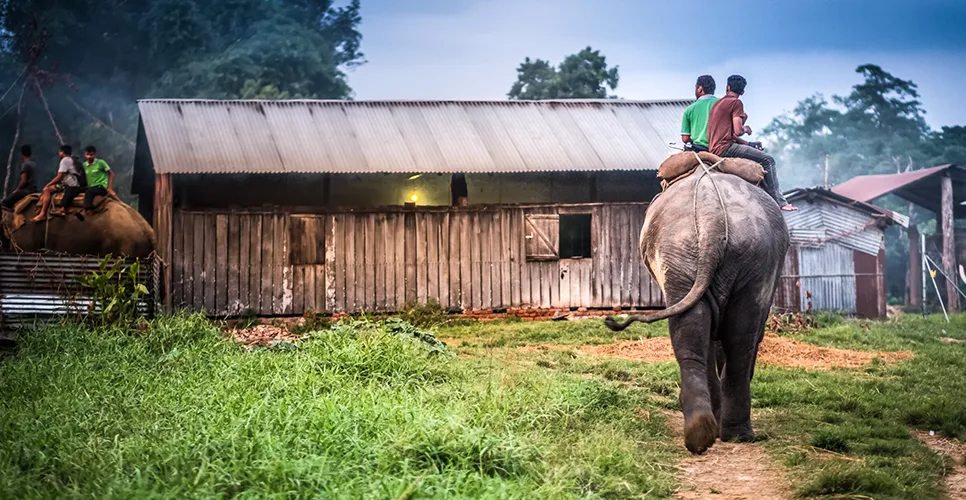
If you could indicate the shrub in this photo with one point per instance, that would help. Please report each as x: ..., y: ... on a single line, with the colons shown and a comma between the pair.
x: 115, y: 292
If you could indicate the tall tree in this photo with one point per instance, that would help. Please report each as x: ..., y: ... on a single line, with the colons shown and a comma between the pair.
x: 584, y: 75
x: 100, y: 56
x: 880, y: 120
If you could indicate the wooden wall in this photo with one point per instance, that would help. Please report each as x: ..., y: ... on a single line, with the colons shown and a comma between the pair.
x: 280, y: 263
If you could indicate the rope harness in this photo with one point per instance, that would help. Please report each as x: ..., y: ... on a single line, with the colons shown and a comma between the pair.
x: 707, y: 173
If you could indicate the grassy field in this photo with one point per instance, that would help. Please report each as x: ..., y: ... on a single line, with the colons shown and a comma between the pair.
x: 378, y: 410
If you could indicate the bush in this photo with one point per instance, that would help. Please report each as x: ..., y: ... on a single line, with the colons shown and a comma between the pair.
x: 115, y: 292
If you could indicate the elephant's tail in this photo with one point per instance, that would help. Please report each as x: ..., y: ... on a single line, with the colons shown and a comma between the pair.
x: 710, y: 251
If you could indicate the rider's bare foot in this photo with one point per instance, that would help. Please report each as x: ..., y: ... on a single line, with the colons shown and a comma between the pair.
x: 789, y: 207
x: 39, y: 218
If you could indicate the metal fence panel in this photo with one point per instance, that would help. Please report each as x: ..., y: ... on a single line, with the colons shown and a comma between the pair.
x: 41, y: 286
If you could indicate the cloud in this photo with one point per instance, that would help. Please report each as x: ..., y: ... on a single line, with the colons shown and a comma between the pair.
x: 470, y: 50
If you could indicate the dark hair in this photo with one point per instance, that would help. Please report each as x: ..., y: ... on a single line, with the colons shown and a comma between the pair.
x: 66, y: 149
x: 25, y: 150
x: 737, y: 84
x: 706, y: 82
x: 90, y: 149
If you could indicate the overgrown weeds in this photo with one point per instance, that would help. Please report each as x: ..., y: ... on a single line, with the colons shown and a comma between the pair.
x: 115, y: 291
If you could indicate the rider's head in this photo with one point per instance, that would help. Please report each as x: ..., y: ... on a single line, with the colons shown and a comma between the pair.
x: 736, y: 84
x: 704, y: 86
x: 65, y: 151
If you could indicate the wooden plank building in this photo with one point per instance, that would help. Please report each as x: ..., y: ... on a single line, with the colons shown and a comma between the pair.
x: 284, y: 207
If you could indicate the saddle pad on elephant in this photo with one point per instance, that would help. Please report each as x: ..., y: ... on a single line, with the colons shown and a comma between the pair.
x: 22, y: 206
x: 679, y: 166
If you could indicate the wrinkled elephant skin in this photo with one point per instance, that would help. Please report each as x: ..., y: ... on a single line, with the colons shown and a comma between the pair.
x: 719, y: 290
x: 117, y: 230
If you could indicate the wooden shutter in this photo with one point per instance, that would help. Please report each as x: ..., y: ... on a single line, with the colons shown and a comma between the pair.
x: 306, y: 239
x: 542, y: 237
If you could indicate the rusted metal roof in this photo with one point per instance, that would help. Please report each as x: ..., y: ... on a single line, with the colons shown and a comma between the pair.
x: 202, y: 136
x: 810, y: 194
x: 921, y: 187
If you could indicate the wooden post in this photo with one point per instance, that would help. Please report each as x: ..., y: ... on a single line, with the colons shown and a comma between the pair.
x: 949, y: 243
x: 914, y: 271
x: 163, y: 214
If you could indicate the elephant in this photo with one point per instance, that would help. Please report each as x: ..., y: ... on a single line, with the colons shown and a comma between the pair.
x: 114, y: 228
x: 715, y: 244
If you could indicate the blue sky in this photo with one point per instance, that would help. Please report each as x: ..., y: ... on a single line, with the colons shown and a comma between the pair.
x: 469, y: 49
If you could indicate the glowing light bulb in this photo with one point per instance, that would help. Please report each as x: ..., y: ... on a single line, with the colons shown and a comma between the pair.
x: 414, y: 198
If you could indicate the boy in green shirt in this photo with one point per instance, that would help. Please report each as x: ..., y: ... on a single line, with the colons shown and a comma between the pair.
x: 100, y: 181
x: 694, y: 126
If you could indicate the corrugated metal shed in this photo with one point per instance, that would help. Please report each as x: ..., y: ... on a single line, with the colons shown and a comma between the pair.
x: 201, y: 136
x: 828, y: 273
x: 820, y: 222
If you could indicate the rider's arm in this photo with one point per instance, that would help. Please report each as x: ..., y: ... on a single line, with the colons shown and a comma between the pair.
x: 55, y: 180
x: 685, y: 138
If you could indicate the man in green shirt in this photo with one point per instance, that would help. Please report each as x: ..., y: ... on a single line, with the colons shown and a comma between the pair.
x: 694, y: 126
x: 100, y: 181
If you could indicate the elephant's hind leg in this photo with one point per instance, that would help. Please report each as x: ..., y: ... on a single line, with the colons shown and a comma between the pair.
x: 743, y: 323
x: 691, y: 339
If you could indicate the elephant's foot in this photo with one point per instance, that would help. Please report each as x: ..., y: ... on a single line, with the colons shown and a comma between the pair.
x: 738, y: 433
x: 700, y: 431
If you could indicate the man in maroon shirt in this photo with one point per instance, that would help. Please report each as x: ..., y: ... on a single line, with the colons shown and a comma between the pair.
x: 726, y: 125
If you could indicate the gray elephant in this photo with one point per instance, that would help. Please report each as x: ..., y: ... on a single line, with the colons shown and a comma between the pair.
x: 715, y: 244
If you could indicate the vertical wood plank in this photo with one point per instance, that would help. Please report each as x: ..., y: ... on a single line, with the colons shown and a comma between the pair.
x: 310, y: 289
x: 389, y: 261
x: 350, y: 263
x: 211, y: 254
x: 198, y: 262
x: 341, y: 250
x: 595, y: 237
x: 177, y: 287
x: 163, y: 227
x: 328, y: 288
x: 359, y: 261
x: 244, y: 259
x: 282, y: 301
x: 379, y: 261
x: 526, y: 296
x: 496, y: 268
x: 564, y: 278
x: 549, y: 274
x: 370, y: 262
x: 410, y: 237
x: 432, y: 257
x: 399, y: 265
x: 486, y: 277
x: 505, y: 239
x: 513, y: 244
x: 466, y: 262
x: 255, y: 266
x: 234, y: 260
x: 615, y: 258
x: 188, y: 228
x: 268, y: 261
x: 586, y: 283
x: 633, y: 263
x: 221, y: 263
x: 445, y: 262
x: 422, y: 266
x: 298, y: 290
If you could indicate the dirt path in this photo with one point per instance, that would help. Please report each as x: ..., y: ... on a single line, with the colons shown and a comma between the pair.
x: 955, y: 481
x: 728, y: 471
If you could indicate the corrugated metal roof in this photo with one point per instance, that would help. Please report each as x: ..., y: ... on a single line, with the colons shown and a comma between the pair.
x: 922, y: 187
x: 820, y: 221
x: 202, y: 136
x: 810, y: 194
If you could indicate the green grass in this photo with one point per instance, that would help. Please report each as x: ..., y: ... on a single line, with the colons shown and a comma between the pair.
x: 362, y: 410
x: 375, y: 409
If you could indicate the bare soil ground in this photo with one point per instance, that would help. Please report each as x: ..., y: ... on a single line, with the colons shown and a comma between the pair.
x: 728, y: 471
x: 955, y: 480
x: 774, y: 350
